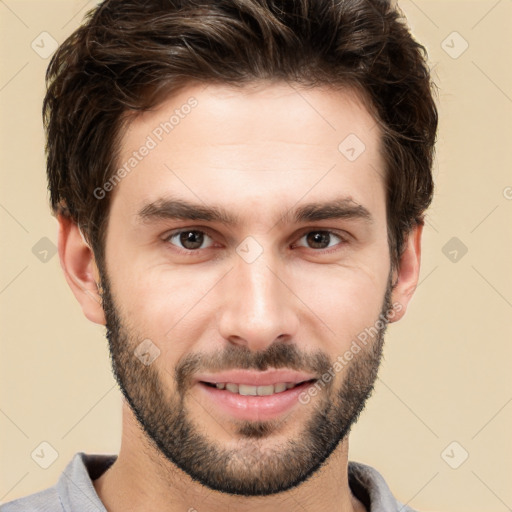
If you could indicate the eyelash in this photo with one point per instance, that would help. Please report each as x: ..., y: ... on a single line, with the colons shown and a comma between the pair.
x: 193, y: 252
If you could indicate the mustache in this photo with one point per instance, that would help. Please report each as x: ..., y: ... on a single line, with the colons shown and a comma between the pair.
x: 278, y: 355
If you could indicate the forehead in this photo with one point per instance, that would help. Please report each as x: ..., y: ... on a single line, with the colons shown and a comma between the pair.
x: 264, y: 142
x: 254, y: 113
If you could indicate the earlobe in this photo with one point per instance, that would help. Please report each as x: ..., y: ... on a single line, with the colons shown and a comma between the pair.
x: 406, y: 276
x: 80, y: 270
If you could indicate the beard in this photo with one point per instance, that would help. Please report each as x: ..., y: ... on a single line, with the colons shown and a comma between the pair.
x: 250, y: 469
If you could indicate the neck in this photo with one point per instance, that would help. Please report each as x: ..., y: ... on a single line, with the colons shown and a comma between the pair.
x: 143, y: 479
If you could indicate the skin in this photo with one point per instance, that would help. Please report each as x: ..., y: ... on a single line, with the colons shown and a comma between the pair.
x: 293, y: 293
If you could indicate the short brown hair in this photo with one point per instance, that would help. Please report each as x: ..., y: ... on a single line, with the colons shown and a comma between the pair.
x: 131, y: 54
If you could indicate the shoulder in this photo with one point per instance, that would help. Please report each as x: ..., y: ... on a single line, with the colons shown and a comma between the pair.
x: 43, y: 501
x: 73, y: 491
x: 369, y: 486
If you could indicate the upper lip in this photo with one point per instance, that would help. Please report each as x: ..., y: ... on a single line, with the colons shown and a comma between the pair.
x: 256, y: 378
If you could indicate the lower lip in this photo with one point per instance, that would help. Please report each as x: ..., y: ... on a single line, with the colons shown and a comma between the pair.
x: 254, y: 408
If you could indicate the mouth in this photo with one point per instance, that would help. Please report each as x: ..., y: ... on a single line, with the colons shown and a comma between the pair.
x: 251, y: 390
x: 254, y: 396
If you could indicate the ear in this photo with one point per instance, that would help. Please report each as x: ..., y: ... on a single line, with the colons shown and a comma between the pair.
x: 406, y: 276
x: 77, y: 262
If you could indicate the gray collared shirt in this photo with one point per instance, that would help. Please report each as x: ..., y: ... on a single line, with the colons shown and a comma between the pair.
x: 74, y: 492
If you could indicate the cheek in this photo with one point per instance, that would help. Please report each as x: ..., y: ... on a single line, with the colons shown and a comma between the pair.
x: 166, y: 304
x: 346, y: 300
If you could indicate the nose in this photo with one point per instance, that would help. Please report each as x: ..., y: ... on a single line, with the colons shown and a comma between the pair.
x: 258, y: 306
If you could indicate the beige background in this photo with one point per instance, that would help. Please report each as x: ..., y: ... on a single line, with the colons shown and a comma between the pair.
x: 446, y: 375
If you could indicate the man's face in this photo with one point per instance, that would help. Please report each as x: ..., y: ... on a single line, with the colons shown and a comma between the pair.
x: 266, y: 299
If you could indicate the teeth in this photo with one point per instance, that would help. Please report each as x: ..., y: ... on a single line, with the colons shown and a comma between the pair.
x: 279, y: 387
x: 266, y: 390
x: 232, y: 387
x: 244, y: 389
x: 247, y: 390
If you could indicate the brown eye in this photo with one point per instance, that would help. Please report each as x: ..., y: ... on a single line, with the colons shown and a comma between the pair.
x: 189, y: 239
x: 321, y: 239
x: 318, y: 239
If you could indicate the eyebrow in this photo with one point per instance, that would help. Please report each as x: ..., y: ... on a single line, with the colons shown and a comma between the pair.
x: 173, y: 209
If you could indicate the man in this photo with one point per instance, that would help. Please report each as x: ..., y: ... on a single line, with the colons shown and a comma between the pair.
x: 240, y: 188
